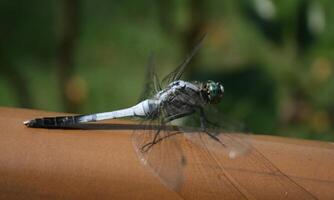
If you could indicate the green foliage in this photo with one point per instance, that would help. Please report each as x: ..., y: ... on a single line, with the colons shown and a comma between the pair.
x: 274, y: 58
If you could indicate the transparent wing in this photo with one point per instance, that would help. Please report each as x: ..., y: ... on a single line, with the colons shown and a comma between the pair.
x: 152, y: 84
x: 205, y: 179
x: 213, y: 175
x: 195, y: 165
x: 165, y: 157
x: 239, y: 163
x: 188, y: 170
x: 179, y: 70
x: 253, y: 171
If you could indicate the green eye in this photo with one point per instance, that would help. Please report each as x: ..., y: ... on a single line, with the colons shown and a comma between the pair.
x: 215, y: 92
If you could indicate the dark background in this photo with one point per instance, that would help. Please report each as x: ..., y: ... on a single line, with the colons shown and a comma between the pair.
x: 275, y: 58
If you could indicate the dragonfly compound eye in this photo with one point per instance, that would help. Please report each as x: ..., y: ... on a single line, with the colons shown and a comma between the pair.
x: 215, y: 91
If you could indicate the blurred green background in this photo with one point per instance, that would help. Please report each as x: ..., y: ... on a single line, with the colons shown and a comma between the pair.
x: 275, y: 58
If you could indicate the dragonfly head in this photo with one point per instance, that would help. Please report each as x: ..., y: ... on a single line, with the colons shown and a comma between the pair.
x: 213, y: 91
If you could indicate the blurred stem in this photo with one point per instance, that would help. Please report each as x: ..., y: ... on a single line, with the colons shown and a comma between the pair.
x: 69, y: 22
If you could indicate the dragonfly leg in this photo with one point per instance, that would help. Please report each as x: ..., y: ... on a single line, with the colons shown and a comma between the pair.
x: 155, y: 140
x: 176, y: 116
x: 207, y: 121
x: 204, y: 121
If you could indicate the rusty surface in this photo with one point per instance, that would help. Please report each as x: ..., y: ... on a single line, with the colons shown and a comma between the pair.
x: 97, y: 164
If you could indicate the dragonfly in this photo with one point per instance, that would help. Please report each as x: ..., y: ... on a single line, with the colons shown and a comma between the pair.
x: 199, y: 160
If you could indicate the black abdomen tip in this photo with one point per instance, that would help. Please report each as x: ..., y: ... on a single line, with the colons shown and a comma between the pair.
x: 53, y: 122
x: 36, y: 123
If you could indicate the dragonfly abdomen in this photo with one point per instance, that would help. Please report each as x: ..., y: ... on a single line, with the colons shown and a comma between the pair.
x: 53, y: 122
x: 144, y: 109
